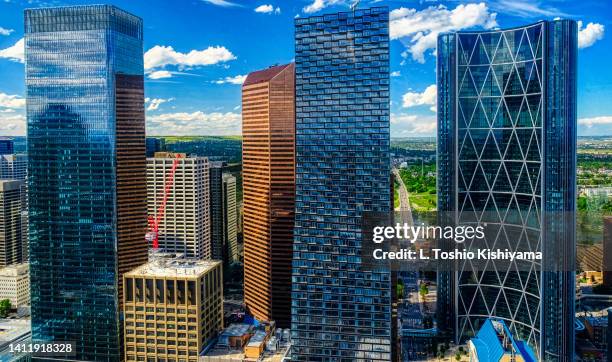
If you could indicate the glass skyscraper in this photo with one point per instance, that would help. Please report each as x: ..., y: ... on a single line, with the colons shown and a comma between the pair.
x: 507, y: 148
x: 340, y: 311
x: 86, y: 172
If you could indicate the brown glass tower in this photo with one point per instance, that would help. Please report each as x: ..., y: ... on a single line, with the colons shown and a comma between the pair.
x: 268, y: 150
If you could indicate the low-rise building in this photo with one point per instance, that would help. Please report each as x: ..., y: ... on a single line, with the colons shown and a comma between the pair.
x: 173, y: 308
x: 15, y: 284
x: 495, y: 343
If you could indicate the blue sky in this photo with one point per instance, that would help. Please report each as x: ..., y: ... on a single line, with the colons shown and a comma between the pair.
x: 197, y: 52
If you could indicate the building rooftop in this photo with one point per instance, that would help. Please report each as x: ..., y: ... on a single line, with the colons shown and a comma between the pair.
x: 15, y: 270
x: 169, y: 265
x: 12, y: 330
x: 265, y: 75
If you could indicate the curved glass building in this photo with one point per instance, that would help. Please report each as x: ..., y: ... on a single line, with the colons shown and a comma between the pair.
x: 507, y: 149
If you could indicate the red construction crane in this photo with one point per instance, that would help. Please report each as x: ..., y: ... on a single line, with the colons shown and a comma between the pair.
x: 153, y: 233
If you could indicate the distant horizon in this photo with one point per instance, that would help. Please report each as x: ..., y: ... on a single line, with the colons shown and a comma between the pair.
x: 194, y: 69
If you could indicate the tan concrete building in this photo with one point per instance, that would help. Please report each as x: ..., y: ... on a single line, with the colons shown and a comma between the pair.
x: 184, y: 226
x: 173, y: 308
x: 268, y: 152
x: 15, y: 284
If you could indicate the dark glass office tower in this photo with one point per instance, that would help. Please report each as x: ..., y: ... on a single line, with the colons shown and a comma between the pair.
x: 6, y: 146
x: 340, y: 311
x: 507, y: 147
x: 86, y: 172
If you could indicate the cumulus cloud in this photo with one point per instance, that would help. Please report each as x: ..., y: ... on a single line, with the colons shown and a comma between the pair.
x: 11, y: 101
x: 589, y: 35
x: 4, y: 31
x: 161, y: 56
x: 267, y: 9
x: 595, y: 121
x: 15, y: 52
x: 237, y: 80
x: 427, y: 97
x: 12, y: 124
x: 154, y: 103
x: 397, y: 73
x: 318, y: 5
x: 196, y: 123
x: 419, y: 30
x: 403, y: 125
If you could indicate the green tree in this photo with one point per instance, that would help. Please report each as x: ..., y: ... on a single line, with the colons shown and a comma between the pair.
x: 5, y: 307
x: 423, y: 289
x: 458, y: 356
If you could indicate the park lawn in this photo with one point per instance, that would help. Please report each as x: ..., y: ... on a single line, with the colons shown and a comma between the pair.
x: 423, y: 201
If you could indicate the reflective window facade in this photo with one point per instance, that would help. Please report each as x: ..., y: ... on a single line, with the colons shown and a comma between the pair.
x: 86, y: 173
x: 507, y: 146
x: 340, y: 311
x: 268, y: 157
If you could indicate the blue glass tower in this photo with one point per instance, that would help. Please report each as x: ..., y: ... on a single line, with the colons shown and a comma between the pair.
x: 340, y: 311
x: 507, y: 149
x: 87, y: 171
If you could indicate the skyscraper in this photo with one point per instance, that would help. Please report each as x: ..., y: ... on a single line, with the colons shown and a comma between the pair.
x: 217, y: 223
x: 13, y: 167
x: 184, y: 223
x: 86, y: 172
x: 12, y: 240
x: 268, y: 143
x: 230, y: 217
x: 507, y: 149
x: 6, y: 146
x: 340, y: 310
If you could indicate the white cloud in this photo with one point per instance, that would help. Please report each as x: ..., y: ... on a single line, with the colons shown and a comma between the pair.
x: 237, y: 80
x: 196, y: 123
x: 161, y: 56
x: 526, y: 8
x: 428, y: 97
x: 11, y: 101
x: 156, y: 102
x: 159, y: 74
x: 4, y: 31
x: 12, y: 124
x: 419, y: 30
x: 595, y: 121
x: 15, y: 52
x: 267, y: 9
x: 223, y: 3
x: 318, y: 5
x: 397, y: 73
x: 411, y: 125
x: 264, y: 9
x: 589, y: 35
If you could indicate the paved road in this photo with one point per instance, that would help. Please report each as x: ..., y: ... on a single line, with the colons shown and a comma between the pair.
x: 404, y: 201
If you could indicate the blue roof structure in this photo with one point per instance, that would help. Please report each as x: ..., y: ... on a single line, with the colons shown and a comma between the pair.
x: 494, y: 340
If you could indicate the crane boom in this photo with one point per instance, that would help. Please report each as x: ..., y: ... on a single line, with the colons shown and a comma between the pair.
x: 153, y: 234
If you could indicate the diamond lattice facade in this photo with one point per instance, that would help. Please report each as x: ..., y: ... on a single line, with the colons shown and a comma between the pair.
x: 507, y: 149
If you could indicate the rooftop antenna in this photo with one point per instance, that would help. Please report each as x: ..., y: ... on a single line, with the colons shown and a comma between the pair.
x: 355, y: 5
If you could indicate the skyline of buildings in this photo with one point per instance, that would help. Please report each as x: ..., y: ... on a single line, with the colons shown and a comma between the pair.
x: 340, y: 310
x: 316, y: 163
x: 507, y: 158
x: 86, y: 172
x: 268, y: 152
